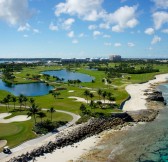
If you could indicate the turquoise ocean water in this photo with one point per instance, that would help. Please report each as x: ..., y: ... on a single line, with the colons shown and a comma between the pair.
x: 157, y: 150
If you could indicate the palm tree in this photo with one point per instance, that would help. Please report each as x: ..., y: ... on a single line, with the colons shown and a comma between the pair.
x: 20, y: 99
x: 41, y: 115
x: 33, y: 110
x: 86, y: 93
x: 51, y: 110
x: 5, y: 101
x: 56, y: 94
x: 109, y: 95
x: 31, y: 101
x: 8, y: 99
x: 14, y: 99
x: 91, y: 95
x: 104, y: 94
x: 99, y: 93
x: 25, y: 99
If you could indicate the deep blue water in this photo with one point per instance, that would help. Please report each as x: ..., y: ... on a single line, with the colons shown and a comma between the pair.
x: 31, y: 89
x: 68, y: 75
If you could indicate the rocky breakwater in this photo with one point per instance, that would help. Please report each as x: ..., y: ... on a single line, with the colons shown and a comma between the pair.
x: 143, y: 115
x: 82, y: 131
x: 73, y: 135
x: 155, y: 96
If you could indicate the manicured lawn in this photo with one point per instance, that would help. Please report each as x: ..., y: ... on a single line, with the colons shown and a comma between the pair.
x: 18, y: 132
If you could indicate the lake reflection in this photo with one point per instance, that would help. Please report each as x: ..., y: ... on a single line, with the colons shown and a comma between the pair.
x: 30, y: 89
x: 68, y: 75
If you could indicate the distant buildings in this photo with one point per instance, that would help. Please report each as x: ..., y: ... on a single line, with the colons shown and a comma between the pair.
x: 115, y: 58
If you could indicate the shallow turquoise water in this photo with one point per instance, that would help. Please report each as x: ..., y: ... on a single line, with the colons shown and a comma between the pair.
x: 157, y: 151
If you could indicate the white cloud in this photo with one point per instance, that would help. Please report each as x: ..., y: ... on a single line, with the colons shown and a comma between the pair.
x: 156, y: 39
x: 53, y: 27
x: 161, y: 3
x: 86, y: 9
x: 117, y: 44
x: 75, y: 41
x: 149, y: 31
x: 25, y: 36
x: 14, y: 11
x: 81, y: 35
x: 104, y: 26
x: 160, y: 18
x: 92, y: 27
x: 68, y: 23
x: 71, y: 34
x: 106, y: 36
x: 36, y: 31
x: 96, y: 33
x: 107, y: 44
x: 124, y: 17
x: 165, y: 31
x: 25, y: 27
x: 150, y: 48
x: 130, y: 44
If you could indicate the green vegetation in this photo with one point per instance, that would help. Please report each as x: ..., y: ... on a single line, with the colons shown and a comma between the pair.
x: 109, y: 84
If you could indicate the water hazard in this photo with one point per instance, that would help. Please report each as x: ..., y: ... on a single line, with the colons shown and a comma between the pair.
x: 69, y: 75
x: 30, y: 89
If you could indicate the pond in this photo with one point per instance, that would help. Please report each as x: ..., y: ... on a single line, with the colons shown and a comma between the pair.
x: 69, y: 75
x: 30, y: 89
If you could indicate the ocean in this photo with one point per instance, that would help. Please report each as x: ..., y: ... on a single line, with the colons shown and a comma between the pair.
x: 144, y: 142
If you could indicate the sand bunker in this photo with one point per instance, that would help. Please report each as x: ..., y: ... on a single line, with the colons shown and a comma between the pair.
x: 3, y: 143
x: 17, y: 118
x: 79, y: 99
x: 71, y: 91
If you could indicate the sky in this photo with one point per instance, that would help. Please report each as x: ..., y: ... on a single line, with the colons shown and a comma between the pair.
x: 83, y: 28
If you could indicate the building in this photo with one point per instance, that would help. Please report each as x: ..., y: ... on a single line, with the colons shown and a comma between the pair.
x: 115, y: 58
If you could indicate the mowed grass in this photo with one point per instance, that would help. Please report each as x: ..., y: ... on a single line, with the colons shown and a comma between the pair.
x: 18, y: 132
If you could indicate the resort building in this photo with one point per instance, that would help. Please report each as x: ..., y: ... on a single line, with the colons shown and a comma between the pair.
x: 115, y: 58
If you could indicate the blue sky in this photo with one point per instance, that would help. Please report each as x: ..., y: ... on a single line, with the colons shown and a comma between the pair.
x: 83, y: 28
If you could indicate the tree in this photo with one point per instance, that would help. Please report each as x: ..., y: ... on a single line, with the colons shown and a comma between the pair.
x: 104, y: 94
x: 8, y: 97
x: 51, y: 110
x: 86, y: 93
x: 33, y: 110
x: 109, y: 95
x: 82, y: 108
x: 5, y: 101
x: 99, y: 93
x: 56, y: 94
x: 25, y: 99
x: 20, y: 99
x: 91, y: 95
x: 32, y: 101
x: 41, y: 115
x: 14, y: 99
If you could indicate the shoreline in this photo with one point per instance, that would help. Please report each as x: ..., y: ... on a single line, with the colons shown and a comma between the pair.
x: 70, y: 153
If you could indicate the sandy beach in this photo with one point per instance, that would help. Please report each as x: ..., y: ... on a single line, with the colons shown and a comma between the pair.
x: 137, y: 102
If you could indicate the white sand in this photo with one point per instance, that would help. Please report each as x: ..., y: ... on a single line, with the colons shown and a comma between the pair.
x: 80, y: 99
x: 71, y: 91
x: 3, y: 143
x: 17, y: 118
x: 70, y: 153
x: 136, y: 91
x: 135, y: 103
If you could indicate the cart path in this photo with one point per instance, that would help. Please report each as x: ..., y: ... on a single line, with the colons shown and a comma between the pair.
x: 42, y: 138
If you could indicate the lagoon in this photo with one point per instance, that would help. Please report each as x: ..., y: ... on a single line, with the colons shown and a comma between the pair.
x: 30, y: 89
x: 69, y: 75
